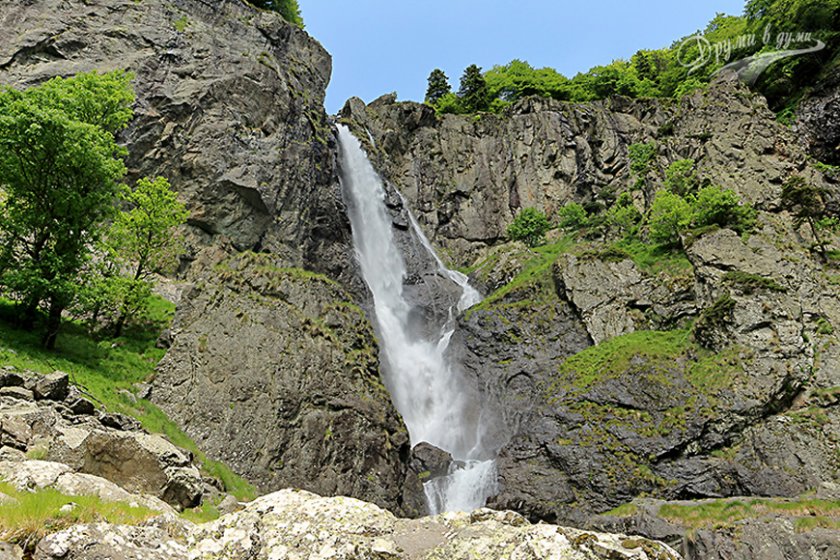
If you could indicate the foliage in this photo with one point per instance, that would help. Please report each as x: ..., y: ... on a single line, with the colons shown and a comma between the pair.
x: 749, y: 283
x: 473, y: 94
x: 60, y: 168
x: 623, y: 217
x: 438, y: 87
x: 448, y: 104
x: 681, y: 178
x: 529, y: 226
x: 573, y: 216
x: 806, y: 202
x: 519, y: 79
x: 140, y: 242
x: 670, y: 216
x: 723, y: 512
x: 289, y: 9
x: 722, y: 207
x: 641, y: 157
x: 712, y: 320
x: 33, y: 515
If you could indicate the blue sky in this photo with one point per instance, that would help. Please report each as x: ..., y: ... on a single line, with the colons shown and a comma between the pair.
x: 380, y: 46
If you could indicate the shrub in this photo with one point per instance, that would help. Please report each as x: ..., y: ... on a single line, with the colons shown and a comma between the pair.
x: 722, y: 207
x: 623, y: 216
x: 573, y: 216
x: 709, y: 326
x: 680, y: 177
x: 289, y: 9
x: 670, y: 216
x: 529, y: 226
x: 641, y: 156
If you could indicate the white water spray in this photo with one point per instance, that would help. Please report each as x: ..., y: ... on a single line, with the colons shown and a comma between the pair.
x: 436, y: 404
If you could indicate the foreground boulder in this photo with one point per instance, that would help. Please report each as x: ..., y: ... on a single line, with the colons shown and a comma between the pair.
x: 293, y: 524
x: 59, y: 424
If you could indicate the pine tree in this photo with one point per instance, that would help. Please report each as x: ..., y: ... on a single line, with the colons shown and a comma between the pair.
x: 474, y: 93
x: 438, y: 86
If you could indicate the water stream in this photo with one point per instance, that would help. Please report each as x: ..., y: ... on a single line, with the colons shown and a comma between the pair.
x: 427, y: 388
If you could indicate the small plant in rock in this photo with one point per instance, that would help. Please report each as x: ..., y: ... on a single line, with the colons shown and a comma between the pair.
x: 529, y: 226
x: 681, y: 178
x: 710, y: 326
x: 806, y: 202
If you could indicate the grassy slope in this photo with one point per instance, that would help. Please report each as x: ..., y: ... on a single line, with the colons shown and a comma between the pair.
x: 106, y: 370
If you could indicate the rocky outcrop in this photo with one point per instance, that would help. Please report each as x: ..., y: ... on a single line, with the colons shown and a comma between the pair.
x: 818, y: 119
x: 275, y: 371
x: 48, y: 419
x: 295, y: 524
x: 466, y: 178
x: 706, y: 375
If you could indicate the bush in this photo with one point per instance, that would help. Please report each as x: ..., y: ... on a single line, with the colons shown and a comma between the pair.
x: 529, y: 226
x: 680, y: 177
x: 670, y: 216
x: 573, y: 216
x: 289, y: 9
x: 623, y: 216
x: 722, y: 207
x: 641, y: 157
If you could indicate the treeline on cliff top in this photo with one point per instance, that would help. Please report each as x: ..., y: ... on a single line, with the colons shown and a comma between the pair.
x: 688, y: 64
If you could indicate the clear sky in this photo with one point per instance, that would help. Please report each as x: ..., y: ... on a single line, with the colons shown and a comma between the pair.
x: 380, y: 46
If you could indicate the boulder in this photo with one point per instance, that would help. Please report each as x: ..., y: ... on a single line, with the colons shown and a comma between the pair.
x: 295, y: 524
x: 54, y: 386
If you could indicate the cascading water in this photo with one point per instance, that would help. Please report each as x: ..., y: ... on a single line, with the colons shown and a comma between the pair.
x: 427, y: 389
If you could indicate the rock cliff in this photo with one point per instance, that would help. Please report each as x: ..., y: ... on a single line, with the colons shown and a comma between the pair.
x: 704, y: 376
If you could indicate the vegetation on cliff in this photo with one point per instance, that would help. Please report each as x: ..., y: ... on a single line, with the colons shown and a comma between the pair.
x: 688, y: 64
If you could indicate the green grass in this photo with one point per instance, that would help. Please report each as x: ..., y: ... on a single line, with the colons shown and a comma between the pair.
x: 536, y: 270
x: 654, y: 259
x: 622, y: 354
x: 650, y: 353
x: 749, y: 283
x: 719, y: 513
x: 181, y: 24
x: 202, y: 514
x: 624, y: 510
x: 36, y: 514
x: 104, y: 368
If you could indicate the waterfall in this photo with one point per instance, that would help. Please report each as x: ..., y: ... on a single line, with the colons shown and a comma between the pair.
x: 436, y: 403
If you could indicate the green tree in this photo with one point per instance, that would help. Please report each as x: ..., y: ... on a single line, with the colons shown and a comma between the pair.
x: 473, y: 94
x: 623, y: 216
x: 529, y: 226
x: 806, y: 202
x: 438, y: 86
x: 670, y: 216
x: 289, y: 9
x: 641, y: 157
x: 60, y: 169
x: 722, y: 207
x: 572, y: 216
x: 143, y: 240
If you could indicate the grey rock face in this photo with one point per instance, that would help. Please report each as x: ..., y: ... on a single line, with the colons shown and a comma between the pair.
x: 466, y: 178
x: 275, y: 372
x: 818, y: 121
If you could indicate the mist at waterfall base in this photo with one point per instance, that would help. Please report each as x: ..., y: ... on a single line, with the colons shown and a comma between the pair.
x: 437, y: 405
